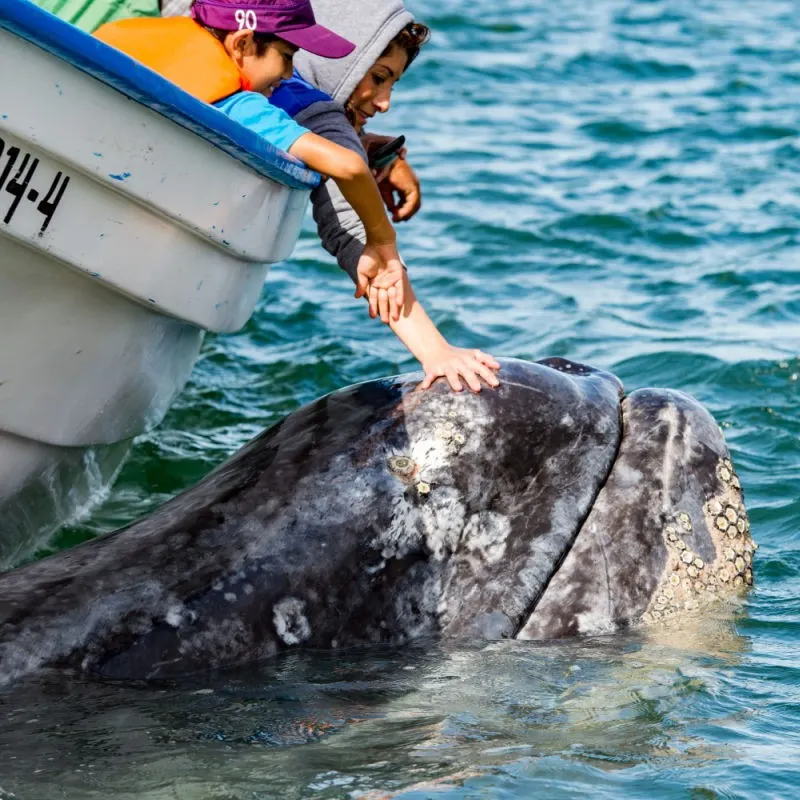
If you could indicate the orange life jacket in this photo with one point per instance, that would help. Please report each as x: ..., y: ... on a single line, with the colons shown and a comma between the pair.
x: 181, y: 51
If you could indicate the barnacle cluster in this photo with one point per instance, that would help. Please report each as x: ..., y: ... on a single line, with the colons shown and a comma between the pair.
x: 413, y: 466
x: 689, y: 581
x: 450, y: 433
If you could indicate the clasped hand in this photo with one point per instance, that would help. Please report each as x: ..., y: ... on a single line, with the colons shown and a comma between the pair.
x: 380, y: 278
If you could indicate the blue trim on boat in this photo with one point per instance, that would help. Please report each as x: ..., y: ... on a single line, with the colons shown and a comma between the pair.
x: 141, y: 84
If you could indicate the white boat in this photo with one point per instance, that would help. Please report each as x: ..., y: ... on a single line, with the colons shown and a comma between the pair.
x: 133, y: 218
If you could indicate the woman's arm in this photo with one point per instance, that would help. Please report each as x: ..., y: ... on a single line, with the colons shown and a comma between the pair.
x: 342, y: 235
x: 438, y: 358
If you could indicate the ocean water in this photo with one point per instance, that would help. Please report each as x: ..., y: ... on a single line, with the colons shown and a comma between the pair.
x: 613, y: 182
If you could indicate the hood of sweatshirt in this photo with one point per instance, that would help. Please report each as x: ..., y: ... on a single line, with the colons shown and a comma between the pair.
x: 369, y: 24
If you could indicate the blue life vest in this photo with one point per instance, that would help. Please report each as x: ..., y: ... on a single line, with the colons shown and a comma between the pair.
x: 296, y: 94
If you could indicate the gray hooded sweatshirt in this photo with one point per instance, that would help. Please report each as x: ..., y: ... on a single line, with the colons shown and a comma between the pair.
x: 370, y: 25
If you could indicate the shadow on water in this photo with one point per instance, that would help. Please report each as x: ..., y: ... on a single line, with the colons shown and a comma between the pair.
x: 377, y: 722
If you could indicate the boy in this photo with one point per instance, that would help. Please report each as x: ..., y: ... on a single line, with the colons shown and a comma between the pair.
x: 233, y: 54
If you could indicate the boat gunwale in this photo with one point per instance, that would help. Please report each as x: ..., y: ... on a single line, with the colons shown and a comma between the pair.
x: 125, y: 75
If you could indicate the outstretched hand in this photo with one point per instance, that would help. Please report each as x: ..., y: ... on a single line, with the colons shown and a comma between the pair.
x: 380, y: 276
x: 457, y: 363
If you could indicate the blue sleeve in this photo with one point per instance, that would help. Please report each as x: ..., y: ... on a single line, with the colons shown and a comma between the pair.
x: 255, y: 112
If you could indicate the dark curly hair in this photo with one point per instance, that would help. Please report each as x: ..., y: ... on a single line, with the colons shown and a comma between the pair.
x: 410, y: 39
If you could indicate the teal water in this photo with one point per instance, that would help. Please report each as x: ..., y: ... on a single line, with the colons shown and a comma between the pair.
x: 613, y: 182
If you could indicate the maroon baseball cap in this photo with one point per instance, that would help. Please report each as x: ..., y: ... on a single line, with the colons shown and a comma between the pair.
x: 292, y: 20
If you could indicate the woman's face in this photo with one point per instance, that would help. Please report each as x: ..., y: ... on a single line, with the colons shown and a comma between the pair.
x: 373, y: 93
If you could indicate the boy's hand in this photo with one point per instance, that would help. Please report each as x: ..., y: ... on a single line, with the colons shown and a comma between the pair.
x: 454, y: 363
x: 380, y: 277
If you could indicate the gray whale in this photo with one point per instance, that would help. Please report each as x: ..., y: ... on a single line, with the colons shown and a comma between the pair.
x: 549, y: 507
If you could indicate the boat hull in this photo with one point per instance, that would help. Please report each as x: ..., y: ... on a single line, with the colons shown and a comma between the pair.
x: 133, y: 218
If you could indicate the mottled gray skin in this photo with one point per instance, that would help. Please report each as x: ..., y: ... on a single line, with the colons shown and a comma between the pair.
x: 319, y: 533
x: 383, y: 514
x: 630, y: 562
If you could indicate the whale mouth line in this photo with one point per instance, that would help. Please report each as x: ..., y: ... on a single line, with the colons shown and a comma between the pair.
x: 525, y: 617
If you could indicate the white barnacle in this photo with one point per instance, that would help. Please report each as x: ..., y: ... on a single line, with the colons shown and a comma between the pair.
x: 402, y: 466
x: 444, y: 431
x: 672, y: 534
x: 230, y: 597
x: 290, y: 621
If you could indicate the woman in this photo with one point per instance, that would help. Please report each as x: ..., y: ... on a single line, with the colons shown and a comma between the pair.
x: 335, y: 99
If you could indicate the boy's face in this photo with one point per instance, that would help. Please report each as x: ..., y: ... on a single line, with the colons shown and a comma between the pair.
x: 274, y: 66
x: 264, y: 71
